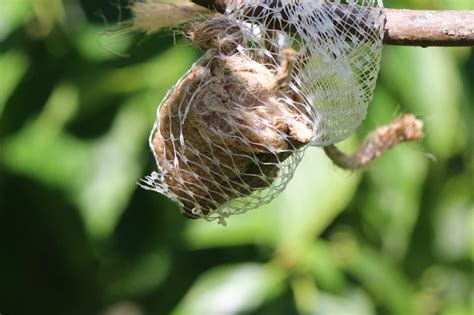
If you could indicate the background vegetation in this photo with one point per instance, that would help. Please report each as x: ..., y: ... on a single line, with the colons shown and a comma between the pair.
x: 77, y: 236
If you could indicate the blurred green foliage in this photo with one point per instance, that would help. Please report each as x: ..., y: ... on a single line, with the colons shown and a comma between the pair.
x: 77, y: 236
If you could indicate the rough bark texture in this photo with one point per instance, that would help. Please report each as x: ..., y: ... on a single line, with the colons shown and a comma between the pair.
x: 405, y: 128
x: 429, y: 28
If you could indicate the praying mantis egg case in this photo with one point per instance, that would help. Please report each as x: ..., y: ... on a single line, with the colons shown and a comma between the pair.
x: 236, y: 125
x: 224, y: 132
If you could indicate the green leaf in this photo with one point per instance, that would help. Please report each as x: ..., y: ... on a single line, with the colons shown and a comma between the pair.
x: 12, y: 15
x: 327, y: 274
x: 14, y: 65
x: 230, y: 290
x: 138, y: 277
x: 379, y: 276
x: 354, y: 302
x: 431, y: 88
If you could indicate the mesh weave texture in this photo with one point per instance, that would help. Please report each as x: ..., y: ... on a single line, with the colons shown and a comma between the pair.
x: 277, y: 77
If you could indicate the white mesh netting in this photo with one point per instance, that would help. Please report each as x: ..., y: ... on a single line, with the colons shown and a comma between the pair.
x: 277, y: 76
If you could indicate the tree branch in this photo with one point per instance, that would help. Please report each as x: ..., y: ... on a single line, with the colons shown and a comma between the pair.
x: 410, y: 27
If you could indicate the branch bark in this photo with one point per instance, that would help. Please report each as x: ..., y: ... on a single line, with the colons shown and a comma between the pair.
x: 410, y: 27
x: 429, y: 28
x: 405, y: 128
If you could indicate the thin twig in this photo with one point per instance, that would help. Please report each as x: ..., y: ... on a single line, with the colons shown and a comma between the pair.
x: 409, y: 27
x: 405, y: 128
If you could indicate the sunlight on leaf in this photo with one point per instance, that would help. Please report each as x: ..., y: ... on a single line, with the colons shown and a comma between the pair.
x: 229, y: 290
x: 13, y: 14
x: 357, y: 301
x: 96, y: 44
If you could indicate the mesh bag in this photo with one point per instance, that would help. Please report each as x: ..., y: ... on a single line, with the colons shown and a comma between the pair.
x: 339, y: 46
x: 276, y: 77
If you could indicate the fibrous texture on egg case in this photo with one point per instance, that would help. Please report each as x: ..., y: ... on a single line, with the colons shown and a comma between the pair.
x: 225, y: 131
